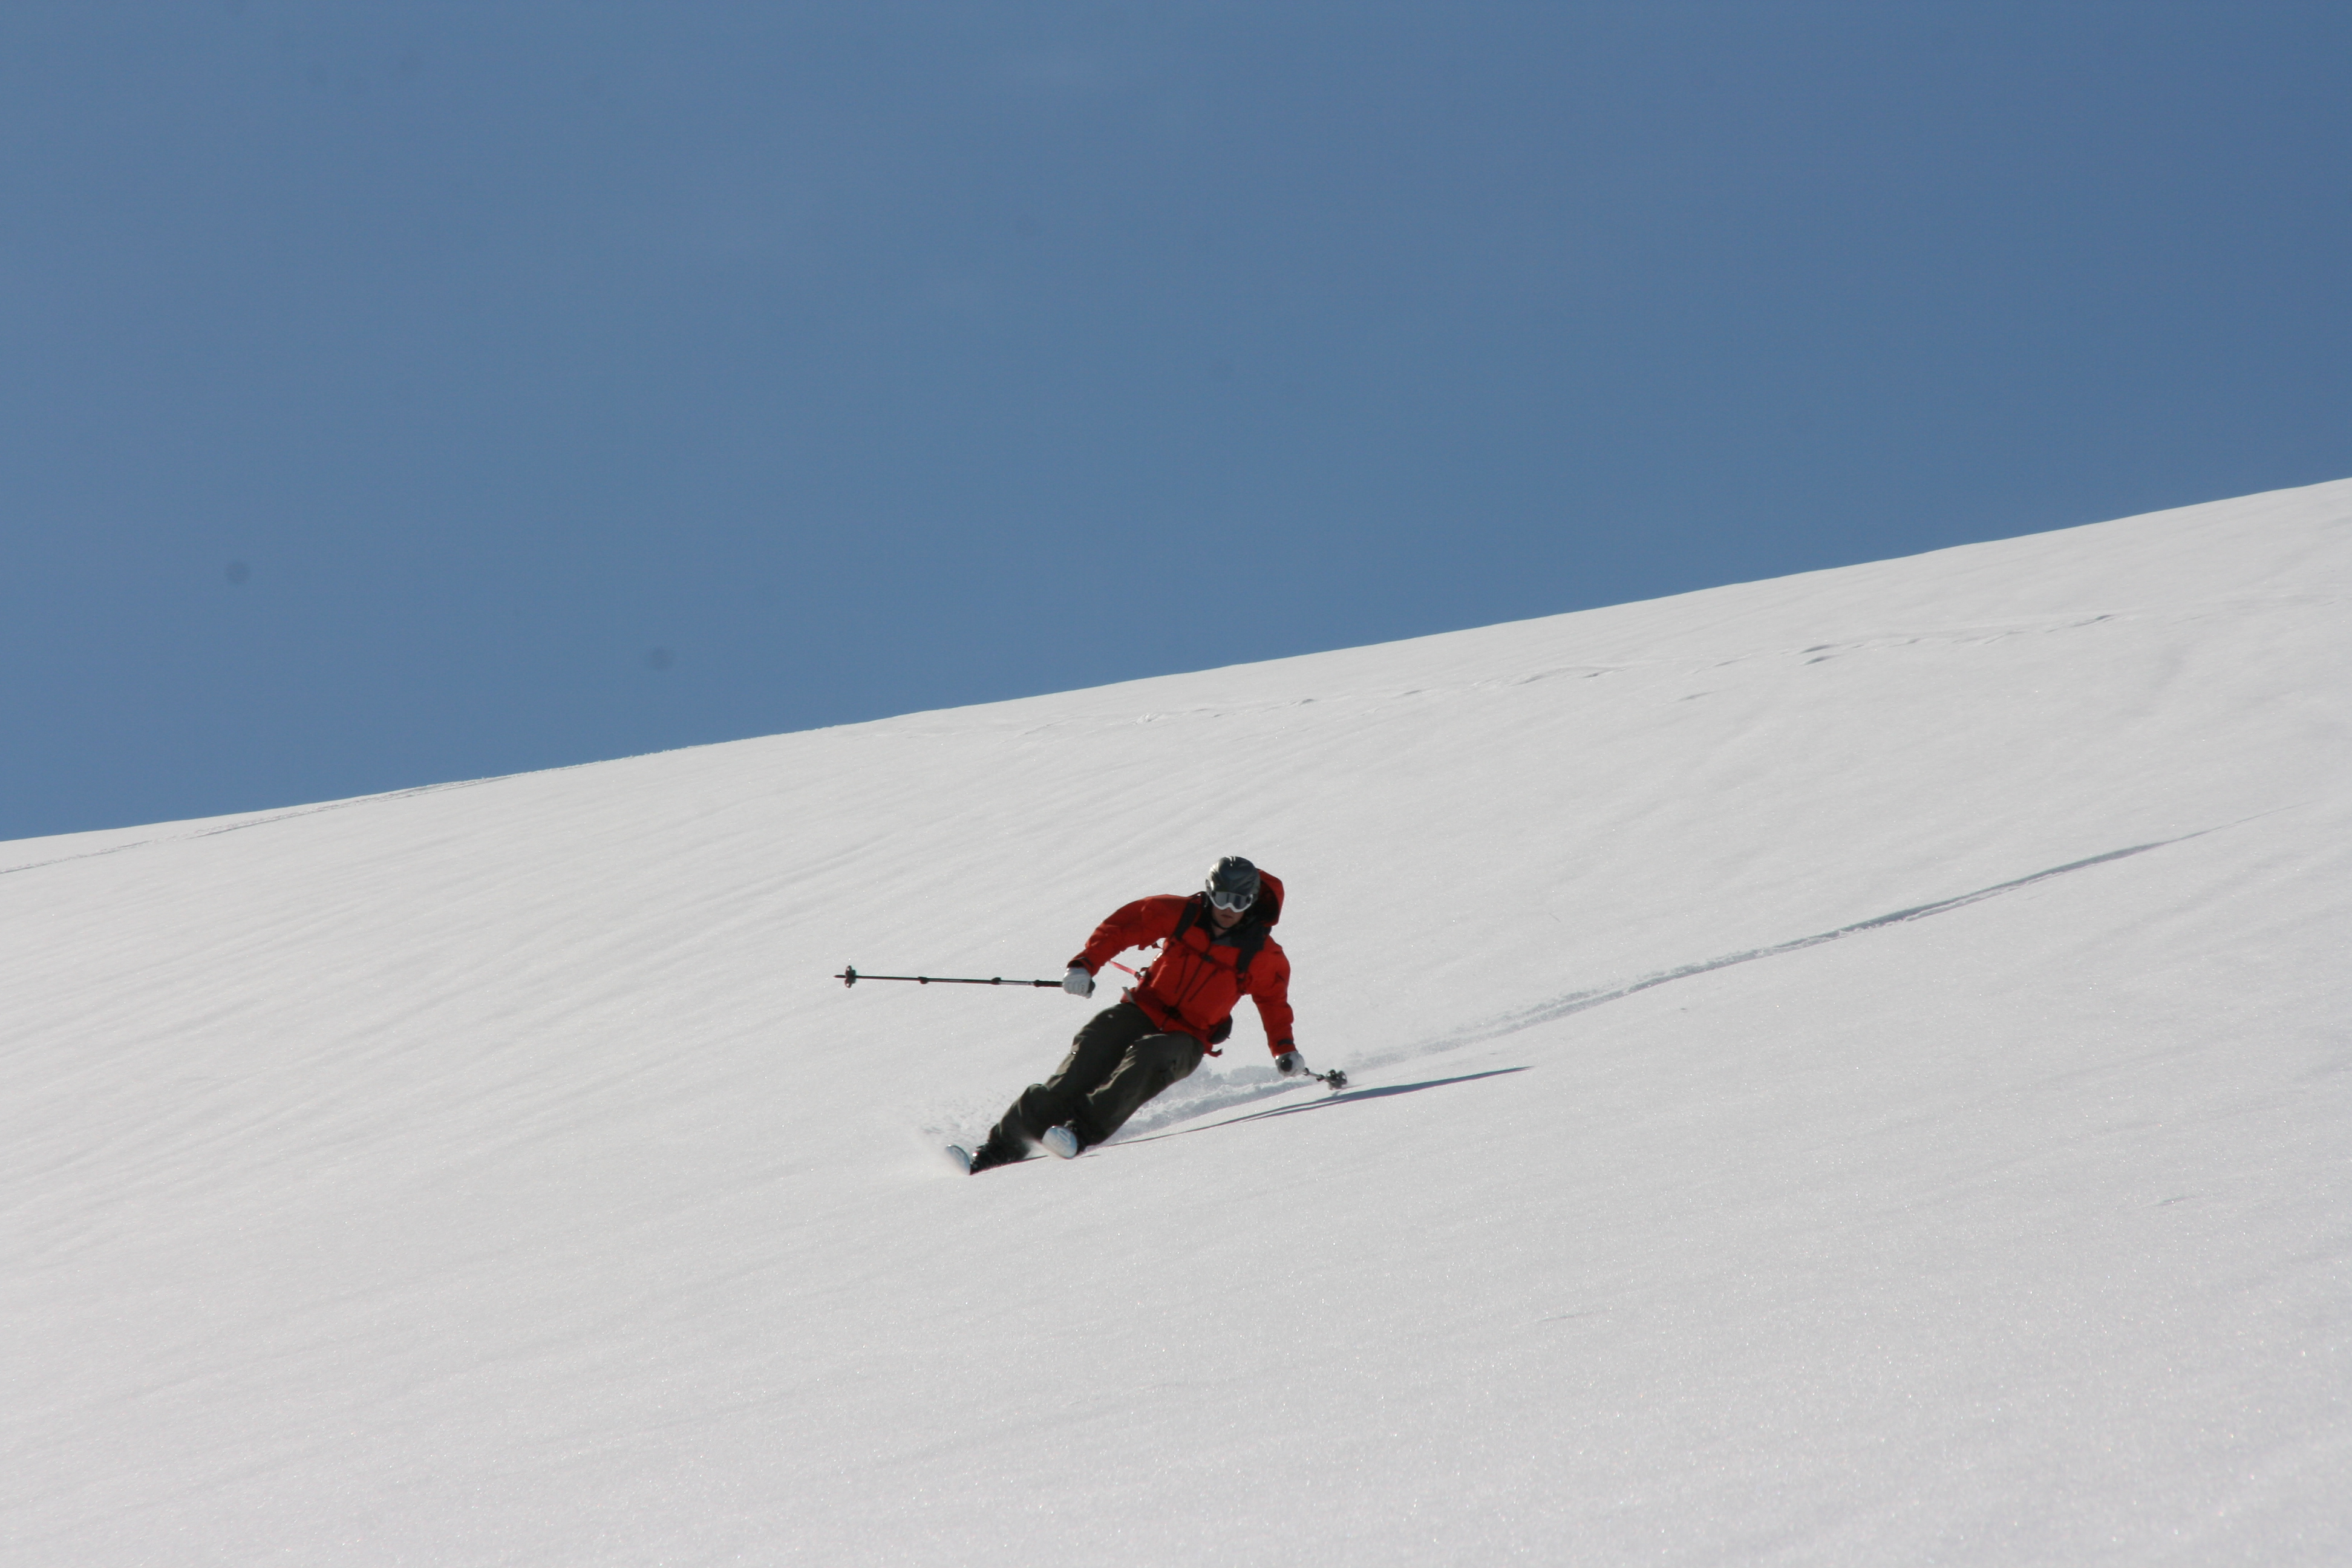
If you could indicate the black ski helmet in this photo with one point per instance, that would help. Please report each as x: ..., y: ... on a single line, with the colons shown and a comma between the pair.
x: 1234, y: 884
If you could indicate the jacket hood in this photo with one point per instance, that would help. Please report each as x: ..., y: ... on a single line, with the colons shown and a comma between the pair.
x: 1268, y: 907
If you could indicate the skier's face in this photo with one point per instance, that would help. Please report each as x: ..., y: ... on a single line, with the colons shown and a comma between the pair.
x: 1224, y: 920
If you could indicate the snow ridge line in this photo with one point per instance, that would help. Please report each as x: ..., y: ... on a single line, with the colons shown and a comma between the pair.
x: 262, y: 821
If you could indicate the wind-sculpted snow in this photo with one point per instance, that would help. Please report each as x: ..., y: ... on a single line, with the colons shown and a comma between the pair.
x: 501, y: 1174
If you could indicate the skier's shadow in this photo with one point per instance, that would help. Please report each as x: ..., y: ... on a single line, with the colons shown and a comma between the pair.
x: 1345, y: 1096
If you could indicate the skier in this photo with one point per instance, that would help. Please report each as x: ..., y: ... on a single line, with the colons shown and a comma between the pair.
x: 1219, y: 948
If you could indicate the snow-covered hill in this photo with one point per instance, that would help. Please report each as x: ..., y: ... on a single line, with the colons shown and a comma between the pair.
x: 1852, y: 1069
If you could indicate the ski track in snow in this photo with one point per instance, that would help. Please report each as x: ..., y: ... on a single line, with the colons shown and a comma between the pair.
x: 1245, y: 1086
x: 1580, y: 1001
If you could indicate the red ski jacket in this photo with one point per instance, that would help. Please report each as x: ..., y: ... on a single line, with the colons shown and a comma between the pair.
x: 1202, y: 973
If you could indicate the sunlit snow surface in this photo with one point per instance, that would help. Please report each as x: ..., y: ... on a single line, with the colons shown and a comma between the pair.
x: 494, y: 1173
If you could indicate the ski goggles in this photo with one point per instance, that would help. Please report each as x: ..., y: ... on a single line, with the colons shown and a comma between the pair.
x: 1232, y: 903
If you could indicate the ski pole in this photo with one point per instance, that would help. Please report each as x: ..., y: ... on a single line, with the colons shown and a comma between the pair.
x: 1335, y: 1080
x: 849, y: 977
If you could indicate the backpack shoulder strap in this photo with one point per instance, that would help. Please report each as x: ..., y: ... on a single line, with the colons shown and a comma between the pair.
x: 1189, y: 919
x: 1249, y: 941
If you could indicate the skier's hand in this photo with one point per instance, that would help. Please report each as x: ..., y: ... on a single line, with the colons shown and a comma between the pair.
x: 1291, y: 1064
x: 1078, y: 982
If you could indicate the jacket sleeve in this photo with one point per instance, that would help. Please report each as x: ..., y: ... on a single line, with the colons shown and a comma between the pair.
x: 1268, y: 985
x: 1139, y: 924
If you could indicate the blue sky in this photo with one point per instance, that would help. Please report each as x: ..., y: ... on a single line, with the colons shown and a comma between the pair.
x: 400, y: 393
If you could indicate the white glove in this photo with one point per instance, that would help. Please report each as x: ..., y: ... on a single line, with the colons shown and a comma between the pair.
x: 1291, y: 1063
x: 1078, y: 982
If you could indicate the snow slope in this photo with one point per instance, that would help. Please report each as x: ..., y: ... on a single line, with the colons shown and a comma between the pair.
x: 1852, y: 1069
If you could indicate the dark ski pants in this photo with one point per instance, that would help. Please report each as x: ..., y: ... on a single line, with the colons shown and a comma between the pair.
x: 1119, y: 1061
